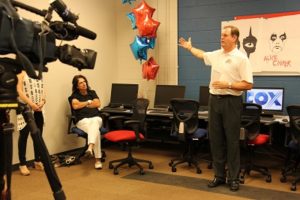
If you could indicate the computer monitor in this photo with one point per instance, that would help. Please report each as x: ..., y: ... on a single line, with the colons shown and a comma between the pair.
x: 164, y: 93
x: 271, y: 99
x: 203, y: 98
x: 123, y: 94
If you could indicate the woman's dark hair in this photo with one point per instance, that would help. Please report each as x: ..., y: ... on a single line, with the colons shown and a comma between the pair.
x: 75, y: 82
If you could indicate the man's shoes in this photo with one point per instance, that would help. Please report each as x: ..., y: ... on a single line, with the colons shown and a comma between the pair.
x: 24, y: 170
x: 234, y: 186
x: 39, y: 166
x: 98, y: 165
x: 216, y: 182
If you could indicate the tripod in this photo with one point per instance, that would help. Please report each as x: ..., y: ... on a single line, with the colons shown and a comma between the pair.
x: 6, y: 130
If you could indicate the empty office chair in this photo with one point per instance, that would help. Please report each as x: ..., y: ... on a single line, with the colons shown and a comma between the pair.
x: 130, y: 134
x: 73, y: 129
x: 253, y: 138
x: 185, y: 114
x: 293, y: 156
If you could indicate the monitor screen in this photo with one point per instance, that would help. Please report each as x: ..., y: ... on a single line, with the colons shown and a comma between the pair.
x: 271, y: 99
x: 203, y: 97
x: 164, y: 93
x: 123, y: 94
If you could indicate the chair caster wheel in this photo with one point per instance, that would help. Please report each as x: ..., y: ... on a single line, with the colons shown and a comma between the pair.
x: 209, y: 166
x: 283, y: 179
x: 174, y: 169
x: 293, y: 187
x: 269, y: 179
x: 242, y: 180
x: 151, y: 166
x: 116, y: 172
x: 199, y: 171
x: 142, y: 172
x: 110, y: 166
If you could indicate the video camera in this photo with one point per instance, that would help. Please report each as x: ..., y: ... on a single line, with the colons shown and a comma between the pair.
x: 34, y: 44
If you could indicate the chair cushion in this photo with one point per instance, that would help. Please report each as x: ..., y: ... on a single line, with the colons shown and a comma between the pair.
x: 121, y: 135
x: 260, y: 139
x: 200, y: 132
x: 78, y: 131
x: 293, y: 145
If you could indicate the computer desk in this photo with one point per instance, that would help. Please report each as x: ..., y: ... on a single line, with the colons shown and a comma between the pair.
x: 159, y: 123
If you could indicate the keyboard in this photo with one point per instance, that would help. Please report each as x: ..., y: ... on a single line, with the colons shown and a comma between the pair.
x: 266, y: 119
x: 158, y: 111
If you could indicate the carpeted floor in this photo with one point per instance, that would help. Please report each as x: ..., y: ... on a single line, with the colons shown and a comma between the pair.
x: 83, y: 182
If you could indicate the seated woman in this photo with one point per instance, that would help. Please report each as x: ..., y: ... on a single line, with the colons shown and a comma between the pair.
x: 85, y: 104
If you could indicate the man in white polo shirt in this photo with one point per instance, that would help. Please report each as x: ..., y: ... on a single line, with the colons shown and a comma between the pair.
x: 231, y: 73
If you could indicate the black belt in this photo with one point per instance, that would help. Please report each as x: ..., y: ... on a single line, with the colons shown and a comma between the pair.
x: 220, y: 96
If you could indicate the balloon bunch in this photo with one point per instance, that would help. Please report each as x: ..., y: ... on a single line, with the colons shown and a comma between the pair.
x: 127, y: 1
x: 141, y: 19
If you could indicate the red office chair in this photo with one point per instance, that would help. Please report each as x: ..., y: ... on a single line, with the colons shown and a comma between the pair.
x: 293, y: 157
x: 130, y: 135
x: 251, y: 123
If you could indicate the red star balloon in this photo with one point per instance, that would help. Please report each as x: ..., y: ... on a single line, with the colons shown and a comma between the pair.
x: 147, y: 27
x: 150, y: 69
x: 141, y: 10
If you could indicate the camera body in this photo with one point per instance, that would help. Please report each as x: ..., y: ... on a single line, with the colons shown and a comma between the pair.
x: 34, y: 44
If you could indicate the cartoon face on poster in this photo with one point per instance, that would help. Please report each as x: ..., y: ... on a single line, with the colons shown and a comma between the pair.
x: 271, y: 44
x: 283, y: 42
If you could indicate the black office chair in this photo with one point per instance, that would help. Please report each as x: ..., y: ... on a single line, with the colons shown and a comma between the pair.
x: 253, y: 138
x: 73, y: 129
x: 293, y: 157
x: 130, y: 134
x: 185, y: 113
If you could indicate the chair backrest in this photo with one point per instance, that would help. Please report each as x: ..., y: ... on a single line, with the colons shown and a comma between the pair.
x: 185, y: 111
x: 294, y: 115
x: 250, y: 119
x: 139, y: 110
x: 72, y: 110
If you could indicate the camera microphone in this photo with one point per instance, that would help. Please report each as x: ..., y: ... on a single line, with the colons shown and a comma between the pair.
x: 60, y: 7
x: 69, y: 31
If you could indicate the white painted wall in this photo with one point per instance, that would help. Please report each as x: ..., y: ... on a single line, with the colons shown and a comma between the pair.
x: 115, y: 62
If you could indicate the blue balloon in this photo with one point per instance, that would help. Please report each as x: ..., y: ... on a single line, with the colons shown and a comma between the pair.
x: 132, y: 18
x: 139, y: 48
x: 127, y: 1
x: 149, y: 41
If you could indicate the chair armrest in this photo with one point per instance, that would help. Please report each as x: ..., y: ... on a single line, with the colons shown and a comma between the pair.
x: 71, y: 119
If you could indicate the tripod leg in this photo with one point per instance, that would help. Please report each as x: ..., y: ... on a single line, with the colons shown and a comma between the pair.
x: 6, y: 160
x: 53, y: 179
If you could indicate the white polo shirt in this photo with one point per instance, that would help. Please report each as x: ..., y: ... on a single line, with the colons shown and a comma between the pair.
x: 231, y: 67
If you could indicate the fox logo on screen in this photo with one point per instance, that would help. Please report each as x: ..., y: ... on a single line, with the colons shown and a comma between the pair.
x: 270, y: 100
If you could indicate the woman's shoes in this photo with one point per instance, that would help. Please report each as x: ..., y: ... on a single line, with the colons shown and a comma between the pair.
x: 39, y: 166
x: 89, y: 153
x: 98, y: 165
x: 24, y: 170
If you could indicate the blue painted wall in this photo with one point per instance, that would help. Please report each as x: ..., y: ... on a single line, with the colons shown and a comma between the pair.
x: 201, y: 20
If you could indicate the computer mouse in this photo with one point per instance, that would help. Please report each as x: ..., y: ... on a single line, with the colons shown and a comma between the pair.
x: 285, y: 120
